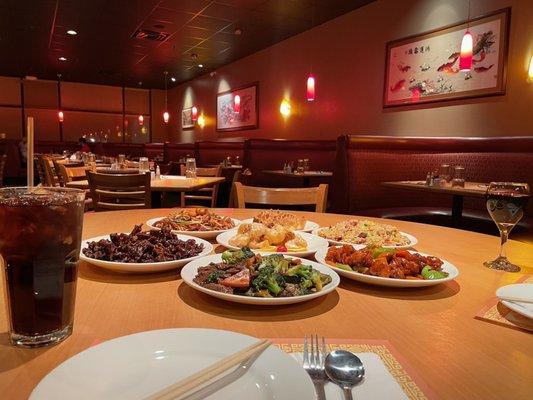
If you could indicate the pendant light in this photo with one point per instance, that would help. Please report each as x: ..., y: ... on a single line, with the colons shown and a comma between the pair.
x: 237, y: 103
x: 141, y: 120
x: 467, y: 44
x: 194, y: 113
x: 310, y: 87
x: 166, y: 115
x: 60, y: 115
x: 530, y: 71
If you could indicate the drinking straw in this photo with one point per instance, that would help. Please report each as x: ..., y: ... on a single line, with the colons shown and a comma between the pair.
x: 29, y: 151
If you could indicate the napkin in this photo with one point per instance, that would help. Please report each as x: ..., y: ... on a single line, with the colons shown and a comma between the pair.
x: 378, y: 383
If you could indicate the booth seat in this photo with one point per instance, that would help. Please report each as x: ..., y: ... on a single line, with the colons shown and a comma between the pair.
x: 364, y: 162
x: 153, y: 150
x: 55, y: 147
x: 214, y: 152
x: 175, y: 151
x: 272, y: 154
x: 132, y: 150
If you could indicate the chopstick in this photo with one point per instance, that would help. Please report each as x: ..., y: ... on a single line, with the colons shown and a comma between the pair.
x: 191, y: 382
x: 517, y: 299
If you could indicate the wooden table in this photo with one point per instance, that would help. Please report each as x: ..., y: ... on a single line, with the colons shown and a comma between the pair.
x: 471, y: 189
x: 165, y: 184
x: 433, y: 328
x: 305, y: 176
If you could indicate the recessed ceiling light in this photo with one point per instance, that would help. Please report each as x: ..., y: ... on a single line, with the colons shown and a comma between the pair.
x: 72, y: 32
x: 62, y: 58
x: 173, y: 79
x: 200, y: 65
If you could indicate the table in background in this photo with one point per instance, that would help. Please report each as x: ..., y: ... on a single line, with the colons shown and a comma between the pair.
x: 433, y: 328
x: 471, y: 189
x: 305, y: 176
x: 166, y: 184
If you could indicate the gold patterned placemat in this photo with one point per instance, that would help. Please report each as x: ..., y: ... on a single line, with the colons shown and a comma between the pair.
x: 411, y: 383
x: 497, y: 313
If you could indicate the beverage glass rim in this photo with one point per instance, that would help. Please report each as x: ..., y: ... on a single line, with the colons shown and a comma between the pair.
x: 9, y: 191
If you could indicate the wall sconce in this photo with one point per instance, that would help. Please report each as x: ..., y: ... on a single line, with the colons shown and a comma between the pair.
x: 201, y: 121
x: 530, y: 72
x: 285, y: 108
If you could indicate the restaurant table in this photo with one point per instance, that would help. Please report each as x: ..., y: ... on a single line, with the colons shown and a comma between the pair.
x: 432, y: 328
x: 170, y: 183
x: 305, y: 176
x: 471, y: 189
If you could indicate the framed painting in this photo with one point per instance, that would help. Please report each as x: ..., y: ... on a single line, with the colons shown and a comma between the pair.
x: 425, y: 68
x: 186, y: 118
x: 246, y: 116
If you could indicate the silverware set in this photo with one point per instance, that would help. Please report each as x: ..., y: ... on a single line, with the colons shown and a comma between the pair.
x: 341, y: 367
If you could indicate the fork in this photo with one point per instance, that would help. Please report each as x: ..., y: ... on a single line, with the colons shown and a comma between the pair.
x: 313, y: 363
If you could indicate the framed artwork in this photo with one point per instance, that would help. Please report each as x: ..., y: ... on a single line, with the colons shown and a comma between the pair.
x: 247, y: 117
x: 425, y: 68
x: 186, y: 118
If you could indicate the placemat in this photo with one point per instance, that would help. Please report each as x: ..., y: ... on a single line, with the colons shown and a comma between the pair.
x: 410, y: 382
x: 496, y: 313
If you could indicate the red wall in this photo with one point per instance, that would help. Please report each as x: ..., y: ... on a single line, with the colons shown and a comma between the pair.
x: 348, y: 58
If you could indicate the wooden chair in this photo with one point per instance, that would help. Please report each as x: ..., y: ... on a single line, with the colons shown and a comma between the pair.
x: 59, y: 169
x: 208, y: 194
x: 316, y: 196
x: 119, y: 192
x: 48, y: 173
x: 3, y: 159
x: 238, y: 176
x: 68, y: 174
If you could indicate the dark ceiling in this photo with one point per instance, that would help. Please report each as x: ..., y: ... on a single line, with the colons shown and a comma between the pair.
x: 33, y: 35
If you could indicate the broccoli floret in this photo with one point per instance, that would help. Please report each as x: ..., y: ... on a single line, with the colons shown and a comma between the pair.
x: 213, y: 277
x: 269, y: 279
x: 300, y: 272
x: 235, y: 256
x: 277, y: 261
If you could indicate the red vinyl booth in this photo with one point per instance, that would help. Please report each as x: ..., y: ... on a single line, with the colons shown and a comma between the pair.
x: 272, y: 154
x: 363, y: 162
x: 214, y: 152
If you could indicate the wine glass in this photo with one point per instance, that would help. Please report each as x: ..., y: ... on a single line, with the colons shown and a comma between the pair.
x: 506, y: 202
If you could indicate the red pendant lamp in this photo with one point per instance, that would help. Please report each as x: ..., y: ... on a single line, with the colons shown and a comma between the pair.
x: 141, y: 120
x: 194, y: 113
x: 166, y: 115
x: 60, y: 116
x: 311, y: 88
x: 467, y: 44
x: 237, y: 103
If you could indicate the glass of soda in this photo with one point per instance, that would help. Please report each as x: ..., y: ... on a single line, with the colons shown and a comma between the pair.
x: 40, y: 238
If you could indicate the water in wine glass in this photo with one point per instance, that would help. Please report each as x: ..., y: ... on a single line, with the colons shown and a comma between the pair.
x: 506, y: 202
x: 506, y: 207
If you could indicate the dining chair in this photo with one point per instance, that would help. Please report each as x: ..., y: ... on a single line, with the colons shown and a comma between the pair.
x: 208, y: 194
x: 75, y: 173
x: 316, y: 196
x: 3, y: 159
x: 49, y: 176
x: 238, y: 176
x: 119, y: 192
x: 59, y: 169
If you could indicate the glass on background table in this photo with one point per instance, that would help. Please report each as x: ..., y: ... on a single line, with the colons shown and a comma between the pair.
x: 505, y: 203
x: 40, y: 249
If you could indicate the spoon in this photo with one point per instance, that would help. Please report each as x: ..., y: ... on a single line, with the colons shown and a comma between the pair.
x: 345, y: 369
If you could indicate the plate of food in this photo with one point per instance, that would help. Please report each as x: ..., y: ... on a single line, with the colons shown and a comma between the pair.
x: 291, y: 221
x: 139, y: 365
x: 243, y: 276
x: 363, y: 232
x: 199, y: 222
x: 278, y: 239
x: 387, y: 267
x: 143, y: 251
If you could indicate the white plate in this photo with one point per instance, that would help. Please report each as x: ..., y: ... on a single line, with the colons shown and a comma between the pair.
x: 524, y: 290
x: 138, y: 365
x: 190, y: 270
x: 452, y: 271
x: 144, y: 267
x: 309, y: 225
x: 412, y: 241
x: 314, y: 243
x: 201, y: 234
